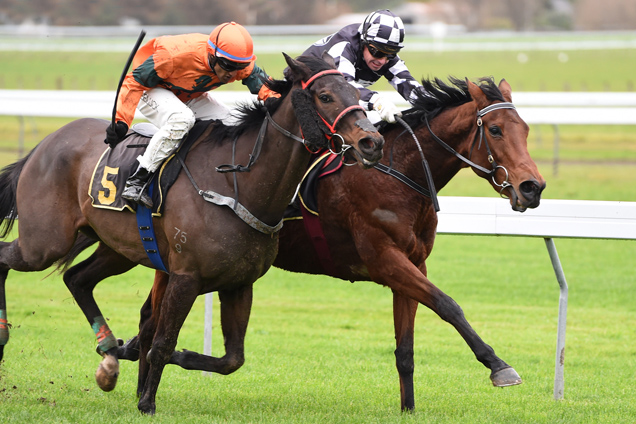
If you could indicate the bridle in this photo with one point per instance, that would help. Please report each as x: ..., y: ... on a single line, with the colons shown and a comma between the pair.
x: 479, y: 137
x: 332, y: 132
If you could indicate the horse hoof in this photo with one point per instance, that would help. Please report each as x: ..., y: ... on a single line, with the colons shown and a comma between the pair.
x: 505, y: 377
x: 146, y: 409
x: 107, y: 373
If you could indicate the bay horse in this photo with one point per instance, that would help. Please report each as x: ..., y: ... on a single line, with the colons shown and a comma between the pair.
x: 377, y: 228
x: 214, y: 250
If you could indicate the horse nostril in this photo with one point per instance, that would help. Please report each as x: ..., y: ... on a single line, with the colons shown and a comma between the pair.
x: 371, y: 144
x: 530, y: 188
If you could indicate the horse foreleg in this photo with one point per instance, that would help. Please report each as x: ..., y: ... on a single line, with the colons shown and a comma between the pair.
x: 397, y: 272
x: 149, y: 316
x: 235, y: 314
x: 81, y: 280
x: 404, y: 310
x: 179, y: 297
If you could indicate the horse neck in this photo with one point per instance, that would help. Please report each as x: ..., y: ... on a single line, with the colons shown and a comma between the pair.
x: 456, y: 127
x: 278, y: 170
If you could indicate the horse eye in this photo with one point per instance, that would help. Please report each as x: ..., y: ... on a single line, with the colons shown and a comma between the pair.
x: 495, y: 131
x: 325, y: 98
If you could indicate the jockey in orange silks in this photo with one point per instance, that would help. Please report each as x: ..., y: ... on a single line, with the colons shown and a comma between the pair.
x: 170, y: 85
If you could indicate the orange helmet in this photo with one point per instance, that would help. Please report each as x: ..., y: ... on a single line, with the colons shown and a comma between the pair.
x: 231, y: 41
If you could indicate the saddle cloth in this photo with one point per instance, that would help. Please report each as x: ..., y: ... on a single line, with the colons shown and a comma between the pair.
x: 115, y: 166
x: 322, y: 164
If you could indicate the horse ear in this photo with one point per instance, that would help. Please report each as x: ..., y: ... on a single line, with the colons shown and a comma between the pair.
x: 505, y: 89
x: 328, y: 58
x: 300, y: 71
x: 477, y: 95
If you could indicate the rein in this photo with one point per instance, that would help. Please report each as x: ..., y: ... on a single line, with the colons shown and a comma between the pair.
x: 427, y: 169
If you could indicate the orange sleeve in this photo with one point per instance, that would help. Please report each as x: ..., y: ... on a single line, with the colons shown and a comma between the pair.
x: 129, y: 96
x: 152, y: 67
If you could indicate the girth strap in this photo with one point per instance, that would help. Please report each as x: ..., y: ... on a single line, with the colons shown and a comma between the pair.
x: 147, y: 232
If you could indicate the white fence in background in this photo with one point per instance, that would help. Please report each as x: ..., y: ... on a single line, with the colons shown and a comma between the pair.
x: 545, y: 108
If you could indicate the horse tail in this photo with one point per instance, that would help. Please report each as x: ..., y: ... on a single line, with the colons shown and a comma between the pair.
x: 82, y: 243
x: 8, y: 187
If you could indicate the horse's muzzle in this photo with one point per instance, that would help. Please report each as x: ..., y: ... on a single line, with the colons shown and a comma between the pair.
x: 530, y: 191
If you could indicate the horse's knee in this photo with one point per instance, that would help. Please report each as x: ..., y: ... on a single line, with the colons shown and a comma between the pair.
x: 158, y: 356
x: 233, y: 364
x: 447, y: 308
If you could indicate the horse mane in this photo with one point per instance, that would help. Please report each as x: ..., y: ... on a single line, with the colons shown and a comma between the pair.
x: 251, y: 115
x: 438, y: 96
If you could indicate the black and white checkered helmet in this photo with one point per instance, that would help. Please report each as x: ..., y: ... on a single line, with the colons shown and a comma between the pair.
x: 384, y: 29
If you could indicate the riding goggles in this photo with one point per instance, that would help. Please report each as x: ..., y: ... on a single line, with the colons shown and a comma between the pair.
x: 379, y: 54
x: 229, y: 66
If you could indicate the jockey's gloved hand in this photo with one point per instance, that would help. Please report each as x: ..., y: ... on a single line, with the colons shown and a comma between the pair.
x: 385, y: 107
x: 117, y: 134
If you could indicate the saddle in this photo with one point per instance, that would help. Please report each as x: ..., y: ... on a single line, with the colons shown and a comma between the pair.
x: 116, y: 165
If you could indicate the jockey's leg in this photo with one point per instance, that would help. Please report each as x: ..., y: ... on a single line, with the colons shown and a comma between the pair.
x: 206, y: 107
x: 174, y: 119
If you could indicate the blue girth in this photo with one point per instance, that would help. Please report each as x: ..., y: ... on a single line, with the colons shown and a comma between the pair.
x: 147, y: 232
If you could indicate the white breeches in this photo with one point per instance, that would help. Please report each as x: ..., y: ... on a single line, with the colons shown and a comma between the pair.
x: 174, y: 120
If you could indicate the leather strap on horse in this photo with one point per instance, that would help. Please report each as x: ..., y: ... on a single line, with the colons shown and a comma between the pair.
x: 147, y: 233
x: 240, y: 210
x: 427, y: 169
x: 403, y: 178
x: 256, y: 151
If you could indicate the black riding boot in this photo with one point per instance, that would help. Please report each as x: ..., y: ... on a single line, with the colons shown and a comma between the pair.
x: 135, y: 189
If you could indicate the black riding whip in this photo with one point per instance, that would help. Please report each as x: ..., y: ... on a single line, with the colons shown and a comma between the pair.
x: 142, y: 34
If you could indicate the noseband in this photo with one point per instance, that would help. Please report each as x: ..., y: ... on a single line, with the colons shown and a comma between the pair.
x: 478, y: 139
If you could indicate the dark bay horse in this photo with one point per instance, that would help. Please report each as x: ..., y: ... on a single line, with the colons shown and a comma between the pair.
x: 214, y: 249
x: 379, y: 229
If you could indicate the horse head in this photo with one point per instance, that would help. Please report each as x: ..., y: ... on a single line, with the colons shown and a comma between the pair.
x: 328, y: 111
x: 502, y: 146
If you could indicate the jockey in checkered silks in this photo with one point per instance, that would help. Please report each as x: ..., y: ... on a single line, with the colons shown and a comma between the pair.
x: 366, y: 52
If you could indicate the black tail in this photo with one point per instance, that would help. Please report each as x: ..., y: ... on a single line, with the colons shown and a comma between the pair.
x: 8, y: 186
